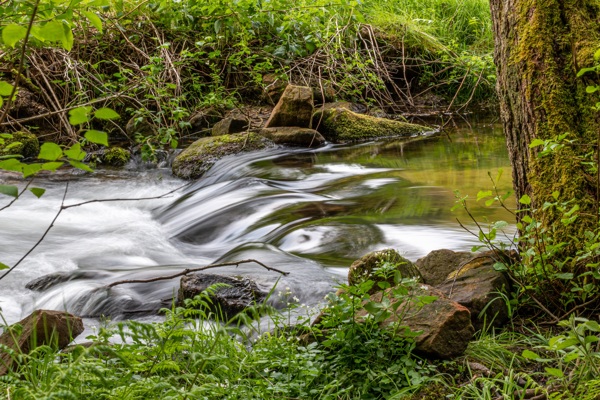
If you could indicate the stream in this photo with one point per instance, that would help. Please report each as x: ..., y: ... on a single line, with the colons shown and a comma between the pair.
x: 308, y: 212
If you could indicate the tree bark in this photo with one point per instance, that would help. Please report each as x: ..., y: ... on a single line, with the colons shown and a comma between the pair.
x: 540, y: 45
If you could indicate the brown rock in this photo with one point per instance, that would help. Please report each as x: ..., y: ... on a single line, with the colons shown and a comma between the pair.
x: 203, y: 119
x: 228, y: 126
x: 43, y: 327
x: 240, y: 294
x: 380, y: 266
x: 273, y: 87
x: 294, y: 108
x: 292, y: 135
x: 436, y: 266
x: 476, y: 285
x: 444, y: 324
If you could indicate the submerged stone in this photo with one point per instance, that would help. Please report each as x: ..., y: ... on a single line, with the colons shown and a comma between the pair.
x: 195, y: 160
x: 341, y: 125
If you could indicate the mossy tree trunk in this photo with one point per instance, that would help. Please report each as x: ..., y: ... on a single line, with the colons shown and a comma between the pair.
x: 540, y: 45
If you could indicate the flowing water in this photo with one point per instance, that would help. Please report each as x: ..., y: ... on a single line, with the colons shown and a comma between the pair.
x: 310, y: 213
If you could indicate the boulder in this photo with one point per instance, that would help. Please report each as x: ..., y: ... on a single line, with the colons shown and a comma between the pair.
x: 380, y: 266
x: 341, y: 125
x: 22, y: 143
x: 240, y: 294
x: 195, y: 160
x: 436, y: 266
x: 294, y: 108
x: 444, y: 325
x: 294, y: 136
x: 476, y: 285
x: 52, y: 328
x: 228, y: 126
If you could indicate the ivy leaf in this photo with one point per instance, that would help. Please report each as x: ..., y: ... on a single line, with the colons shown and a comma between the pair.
x: 50, y: 151
x: 12, y: 33
x: 106, y: 113
x: 80, y: 165
x: 97, y: 137
x: 38, y: 192
x: 9, y: 190
x: 5, y: 89
x: 75, y: 153
x: 94, y: 19
x: 79, y: 115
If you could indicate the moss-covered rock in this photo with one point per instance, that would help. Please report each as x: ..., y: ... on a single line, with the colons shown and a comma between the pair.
x: 342, y: 125
x: 381, y: 266
x: 22, y: 143
x: 194, y: 161
x: 293, y: 135
x: 116, y: 156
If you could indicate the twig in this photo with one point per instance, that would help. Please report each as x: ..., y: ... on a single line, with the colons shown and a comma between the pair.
x: 190, y: 270
x: 126, y: 199
x: 60, y: 210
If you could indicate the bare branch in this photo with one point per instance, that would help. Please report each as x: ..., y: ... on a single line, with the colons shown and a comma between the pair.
x: 190, y: 270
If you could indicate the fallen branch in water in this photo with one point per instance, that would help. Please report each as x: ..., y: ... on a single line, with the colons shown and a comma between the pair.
x: 190, y: 270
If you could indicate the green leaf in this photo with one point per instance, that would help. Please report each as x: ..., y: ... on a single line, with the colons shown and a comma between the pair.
x: 52, y: 166
x: 50, y: 151
x: 97, y: 137
x: 81, y: 166
x: 106, y: 113
x: 75, y: 153
x: 591, y: 339
x: 12, y: 33
x: 5, y: 89
x: 9, y: 190
x: 427, y: 299
x: 536, y: 143
x: 12, y: 164
x: 94, y: 19
x: 530, y: 355
x: 483, y: 194
x: 592, y: 89
x: 564, y: 275
x: 592, y: 326
x: 500, y: 267
x: 3, y: 266
x: 554, y: 372
x: 67, y: 40
x: 38, y: 192
x: 525, y: 199
x: 31, y: 169
x: 79, y: 115
x: 52, y: 32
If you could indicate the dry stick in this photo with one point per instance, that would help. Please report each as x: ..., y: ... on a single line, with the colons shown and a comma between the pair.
x: 472, y: 92
x: 21, y: 63
x: 60, y: 210
x: 52, y: 96
x: 458, y: 90
x: 190, y: 270
x: 51, y: 113
x: 125, y: 199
